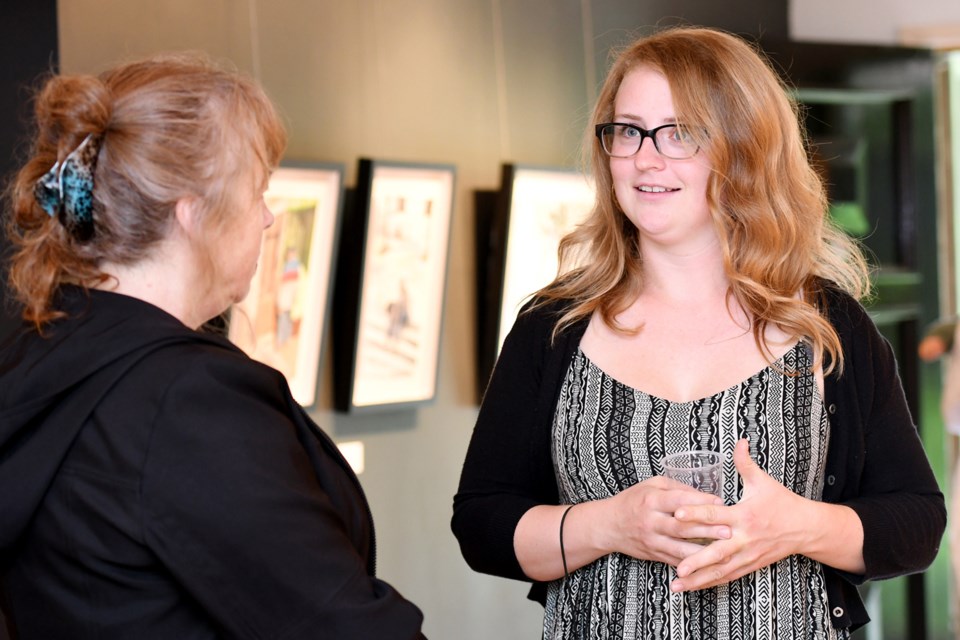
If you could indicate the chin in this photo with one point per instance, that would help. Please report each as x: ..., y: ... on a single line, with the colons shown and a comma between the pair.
x: 240, y: 295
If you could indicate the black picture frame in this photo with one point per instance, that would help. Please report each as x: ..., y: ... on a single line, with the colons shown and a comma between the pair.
x: 391, y: 286
x: 518, y: 230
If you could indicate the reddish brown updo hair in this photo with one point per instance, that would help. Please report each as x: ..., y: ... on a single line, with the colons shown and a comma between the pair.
x: 170, y: 126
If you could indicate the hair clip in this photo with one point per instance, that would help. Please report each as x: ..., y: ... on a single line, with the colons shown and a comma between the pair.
x: 66, y: 190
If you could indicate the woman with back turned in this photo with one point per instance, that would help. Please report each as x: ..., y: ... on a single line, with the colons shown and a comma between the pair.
x: 156, y: 482
x: 714, y: 307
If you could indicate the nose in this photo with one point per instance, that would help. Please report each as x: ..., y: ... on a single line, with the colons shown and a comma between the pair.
x: 268, y: 217
x: 647, y: 155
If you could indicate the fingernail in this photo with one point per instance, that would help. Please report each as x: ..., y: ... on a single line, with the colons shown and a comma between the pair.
x: 676, y: 586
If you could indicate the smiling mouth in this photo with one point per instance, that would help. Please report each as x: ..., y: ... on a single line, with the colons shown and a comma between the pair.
x: 649, y: 189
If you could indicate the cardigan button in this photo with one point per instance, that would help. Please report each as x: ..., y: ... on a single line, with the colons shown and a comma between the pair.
x: 831, y: 480
x: 832, y: 409
x: 837, y: 612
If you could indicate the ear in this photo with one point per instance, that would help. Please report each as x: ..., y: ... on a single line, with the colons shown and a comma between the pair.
x: 187, y: 214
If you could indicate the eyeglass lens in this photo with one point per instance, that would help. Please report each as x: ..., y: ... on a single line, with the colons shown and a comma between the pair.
x: 623, y: 140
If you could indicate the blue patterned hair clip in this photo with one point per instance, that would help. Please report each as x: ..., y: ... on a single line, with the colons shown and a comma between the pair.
x: 47, y: 190
x: 66, y: 190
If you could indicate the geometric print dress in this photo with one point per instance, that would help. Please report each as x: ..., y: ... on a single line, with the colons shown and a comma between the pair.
x: 608, y: 436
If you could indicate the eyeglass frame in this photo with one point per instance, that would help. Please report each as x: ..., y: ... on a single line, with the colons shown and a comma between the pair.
x: 644, y: 134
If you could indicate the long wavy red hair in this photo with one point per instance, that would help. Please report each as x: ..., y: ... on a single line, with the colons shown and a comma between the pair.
x: 768, y: 203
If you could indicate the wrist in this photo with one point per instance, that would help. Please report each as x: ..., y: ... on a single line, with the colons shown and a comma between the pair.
x: 586, y: 532
x: 599, y: 526
x: 835, y: 537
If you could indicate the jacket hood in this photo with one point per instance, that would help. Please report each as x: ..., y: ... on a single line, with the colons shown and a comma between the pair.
x: 51, y: 383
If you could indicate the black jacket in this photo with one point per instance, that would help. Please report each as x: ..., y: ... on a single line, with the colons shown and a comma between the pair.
x: 875, y: 460
x: 158, y: 483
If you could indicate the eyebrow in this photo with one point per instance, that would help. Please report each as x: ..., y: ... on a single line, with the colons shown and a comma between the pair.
x: 629, y: 116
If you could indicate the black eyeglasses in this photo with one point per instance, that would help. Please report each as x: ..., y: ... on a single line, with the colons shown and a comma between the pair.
x: 622, y: 140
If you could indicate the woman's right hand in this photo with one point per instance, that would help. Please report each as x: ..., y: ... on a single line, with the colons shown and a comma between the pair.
x: 641, y: 523
x: 637, y: 522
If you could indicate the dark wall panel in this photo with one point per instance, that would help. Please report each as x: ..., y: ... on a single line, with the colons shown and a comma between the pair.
x: 28, y: 48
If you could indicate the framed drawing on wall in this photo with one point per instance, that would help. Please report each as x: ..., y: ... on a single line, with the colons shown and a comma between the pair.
x: 282, y: 319
x: 522, y: 226
x: 390, y: 289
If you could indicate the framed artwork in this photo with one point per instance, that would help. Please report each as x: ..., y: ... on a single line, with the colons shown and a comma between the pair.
x: 390, y: 289
x: 281, y: 321
x: 522, y: 225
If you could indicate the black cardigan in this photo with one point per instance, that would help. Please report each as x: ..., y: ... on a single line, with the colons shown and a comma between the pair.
x: 875, y: 460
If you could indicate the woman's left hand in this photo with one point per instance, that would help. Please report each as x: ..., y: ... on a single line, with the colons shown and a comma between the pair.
x: 768, y: 524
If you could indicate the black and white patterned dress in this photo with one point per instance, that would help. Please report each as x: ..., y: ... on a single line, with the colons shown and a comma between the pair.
x: 608, y: 436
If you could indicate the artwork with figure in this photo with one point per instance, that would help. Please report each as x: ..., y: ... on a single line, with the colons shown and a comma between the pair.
x: 281, y: 320
x: 404, y: 271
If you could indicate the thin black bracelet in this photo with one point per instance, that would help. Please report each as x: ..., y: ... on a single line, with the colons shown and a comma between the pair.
x: 563, y: 553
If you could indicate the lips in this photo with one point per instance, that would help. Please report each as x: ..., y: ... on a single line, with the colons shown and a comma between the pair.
x: 654, y: 189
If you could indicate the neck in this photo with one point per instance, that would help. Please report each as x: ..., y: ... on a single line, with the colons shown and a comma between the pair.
x: 691, y: 275
x: 160, y: 281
